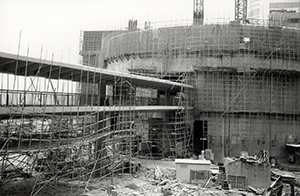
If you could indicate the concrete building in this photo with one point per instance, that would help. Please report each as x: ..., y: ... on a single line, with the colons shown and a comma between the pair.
x: 168, y: 92
x: 246, y: 79
x: 287, y: 5
x: 90, y: 45
x: 259, y: 10
x: 287, y: 19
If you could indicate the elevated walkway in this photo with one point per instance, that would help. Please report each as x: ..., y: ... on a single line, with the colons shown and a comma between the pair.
x: 28, y: 66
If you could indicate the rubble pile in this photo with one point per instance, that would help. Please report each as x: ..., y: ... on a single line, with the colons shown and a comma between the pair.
x: 156, y: 181
x: 158, y: 178
x: 167, y: 182
x: 161, y: 180
x: 165, y: 179
x: 261, y: 158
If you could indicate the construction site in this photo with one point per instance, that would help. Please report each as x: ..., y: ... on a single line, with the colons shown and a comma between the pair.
x: 167, y: 97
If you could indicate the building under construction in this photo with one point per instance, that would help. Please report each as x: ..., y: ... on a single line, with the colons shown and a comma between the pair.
x: 245, y: 80
x: 150, y: 93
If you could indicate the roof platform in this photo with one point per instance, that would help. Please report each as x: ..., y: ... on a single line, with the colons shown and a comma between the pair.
x: 28, y: 66
x: 78, y: 110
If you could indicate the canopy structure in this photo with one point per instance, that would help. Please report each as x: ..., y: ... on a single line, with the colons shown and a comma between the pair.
x: 28, y: 66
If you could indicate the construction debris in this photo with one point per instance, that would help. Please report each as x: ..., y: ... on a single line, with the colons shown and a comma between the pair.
x: 244, y: 171
x: 254, y: 190
x: 210, y: 90
x: 168, y: 183
x: 275, y: 189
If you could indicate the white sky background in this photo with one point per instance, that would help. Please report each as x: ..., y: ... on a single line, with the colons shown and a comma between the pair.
x: 56, y: 24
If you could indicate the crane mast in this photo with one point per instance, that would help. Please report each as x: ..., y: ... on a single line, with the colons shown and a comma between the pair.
x: 198, y: 12
x: 240, y: 11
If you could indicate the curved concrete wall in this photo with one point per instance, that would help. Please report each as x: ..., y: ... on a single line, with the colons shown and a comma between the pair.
x: 170, y: 46
x: 247, y: 79
x: 258, y: 92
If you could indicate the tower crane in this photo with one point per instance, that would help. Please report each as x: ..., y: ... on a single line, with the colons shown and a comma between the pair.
x: 240, y: 15
x: 198, y: 12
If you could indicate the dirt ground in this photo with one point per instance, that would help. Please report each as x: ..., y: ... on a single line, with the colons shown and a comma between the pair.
x: 155, y: 178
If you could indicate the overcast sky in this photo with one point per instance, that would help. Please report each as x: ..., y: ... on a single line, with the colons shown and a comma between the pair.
x: 56, y: 24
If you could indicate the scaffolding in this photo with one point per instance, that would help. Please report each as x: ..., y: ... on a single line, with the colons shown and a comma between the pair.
x: 167, y: 92
x: 245, y: 76
x: 74, y: 123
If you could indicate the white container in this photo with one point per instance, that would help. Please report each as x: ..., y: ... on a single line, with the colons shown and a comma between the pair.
x: 185, y: 166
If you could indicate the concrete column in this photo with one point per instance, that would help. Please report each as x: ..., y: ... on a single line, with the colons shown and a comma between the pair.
x: 101, y: 102
x: 99, y: 145
x: 164, y: 99
x: 101, y: 93
x: 168, y: 98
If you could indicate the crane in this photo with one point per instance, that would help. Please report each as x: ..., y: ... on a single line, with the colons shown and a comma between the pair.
x: 240, y: 15
x: 198, y: 12
x: 240, y: 11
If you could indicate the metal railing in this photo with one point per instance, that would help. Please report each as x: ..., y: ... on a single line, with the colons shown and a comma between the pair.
x: 35, y: 98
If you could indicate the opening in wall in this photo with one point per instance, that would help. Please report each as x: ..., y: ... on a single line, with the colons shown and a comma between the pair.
x: 200, y: 136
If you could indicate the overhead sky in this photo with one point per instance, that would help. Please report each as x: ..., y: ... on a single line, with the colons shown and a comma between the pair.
x: 53, y: 26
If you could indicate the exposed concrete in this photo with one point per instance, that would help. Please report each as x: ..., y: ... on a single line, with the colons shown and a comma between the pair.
x: 182, y: 63
x: 257, y: 175
x: 203, y: 40
x: 232, y: 133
